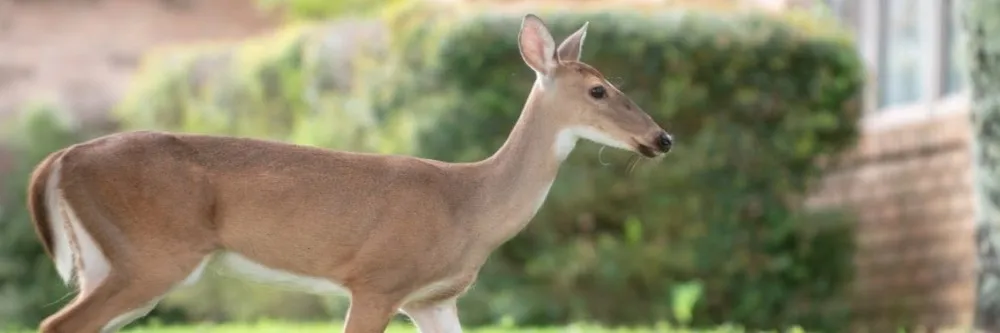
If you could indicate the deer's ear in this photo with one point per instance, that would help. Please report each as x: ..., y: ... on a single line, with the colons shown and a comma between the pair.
x: 572, y: 46
x: 536, y: 45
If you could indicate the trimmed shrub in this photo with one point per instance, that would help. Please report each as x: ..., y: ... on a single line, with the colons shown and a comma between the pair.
x: 299, y: 84
x: 30, y: 288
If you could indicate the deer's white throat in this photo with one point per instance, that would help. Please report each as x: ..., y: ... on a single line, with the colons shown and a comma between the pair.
x: 566, y: 140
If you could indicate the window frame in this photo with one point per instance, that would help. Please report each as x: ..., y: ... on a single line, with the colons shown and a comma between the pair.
x: 868, y: 27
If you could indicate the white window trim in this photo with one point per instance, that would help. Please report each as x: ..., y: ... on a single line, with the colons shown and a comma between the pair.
x: 908, y: 114
x: 932, y: 105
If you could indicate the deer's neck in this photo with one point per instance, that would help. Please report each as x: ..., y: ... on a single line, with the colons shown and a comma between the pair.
x: 517, y: 178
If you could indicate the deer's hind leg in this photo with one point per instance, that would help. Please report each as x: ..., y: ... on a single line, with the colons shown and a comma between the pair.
x: 113, y: 293
x: 116, y: 301
x: 124, y: 295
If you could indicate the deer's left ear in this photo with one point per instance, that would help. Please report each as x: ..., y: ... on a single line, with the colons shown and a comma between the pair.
x: 536, y: 45
x: 572, y: 46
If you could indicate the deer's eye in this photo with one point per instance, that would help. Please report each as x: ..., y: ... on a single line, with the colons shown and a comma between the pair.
x: 598, y: 92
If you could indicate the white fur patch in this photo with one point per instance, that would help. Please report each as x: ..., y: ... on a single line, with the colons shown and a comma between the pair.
x: 246, y: 268
x: 440, y: 318
x: 566, y: 140
x: 430, y: 290
x: 61, y: 249
x: 117, y: 323
x: 197, y: 273
x: 65, y: 225
x: 95, y: 265
x: 601, y: 138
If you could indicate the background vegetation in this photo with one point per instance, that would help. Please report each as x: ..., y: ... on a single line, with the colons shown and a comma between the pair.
x: 722, y: 211
x: 29, y: 286
x: 282, y: 327
x: 720, y: 218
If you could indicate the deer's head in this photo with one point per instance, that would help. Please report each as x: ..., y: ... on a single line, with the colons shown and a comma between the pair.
x: 585, y: 103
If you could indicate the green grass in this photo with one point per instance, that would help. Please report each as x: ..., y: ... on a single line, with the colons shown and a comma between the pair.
x: 282, y: 327
x: 336, y: 327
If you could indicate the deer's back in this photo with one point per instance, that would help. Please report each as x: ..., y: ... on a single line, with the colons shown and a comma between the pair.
x: 272, y: 201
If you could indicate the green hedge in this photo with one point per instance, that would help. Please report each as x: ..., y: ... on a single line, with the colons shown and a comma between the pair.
x: 753, y: 102
x: 30, y: 288
x: 308, y: 83
x: 753, y: 99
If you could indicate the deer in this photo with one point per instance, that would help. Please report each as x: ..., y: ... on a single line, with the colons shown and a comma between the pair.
x: 129, y: 217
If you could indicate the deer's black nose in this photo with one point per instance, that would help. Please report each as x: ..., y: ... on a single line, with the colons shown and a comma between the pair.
x: 665, y: 141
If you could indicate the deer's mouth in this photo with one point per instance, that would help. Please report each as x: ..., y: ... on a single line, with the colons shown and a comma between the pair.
x: 647, y: 151
x: 661, y: 144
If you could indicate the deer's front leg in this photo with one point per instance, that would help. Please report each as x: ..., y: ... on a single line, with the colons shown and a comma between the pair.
x: 368, y: 313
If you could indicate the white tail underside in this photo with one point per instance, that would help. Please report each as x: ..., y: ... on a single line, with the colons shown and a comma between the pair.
x: 77, y: 257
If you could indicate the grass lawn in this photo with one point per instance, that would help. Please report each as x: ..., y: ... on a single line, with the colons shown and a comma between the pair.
x: 336, y: 327
x: 282, y: 327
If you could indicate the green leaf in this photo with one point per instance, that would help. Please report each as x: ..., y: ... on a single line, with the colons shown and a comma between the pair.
x: 685, y: 296
x: 633, y: 230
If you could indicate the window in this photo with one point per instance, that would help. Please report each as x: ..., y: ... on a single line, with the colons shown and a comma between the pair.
x: 916, y: 47
x: 954, y: 71
x: 904, y: 44
x: 846, y: 12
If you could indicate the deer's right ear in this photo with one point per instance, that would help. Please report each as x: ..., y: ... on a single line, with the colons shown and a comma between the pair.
x: 536, y: 45
x: 571, y: 48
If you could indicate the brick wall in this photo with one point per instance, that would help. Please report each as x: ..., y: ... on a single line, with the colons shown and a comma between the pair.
x: 910, y: 186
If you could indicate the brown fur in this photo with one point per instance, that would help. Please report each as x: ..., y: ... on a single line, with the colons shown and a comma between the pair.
x: 36, y: 201
x: 382, y: 226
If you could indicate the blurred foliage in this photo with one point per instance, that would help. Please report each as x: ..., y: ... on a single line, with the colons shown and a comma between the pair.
x: 30, y: 288
x: 331, y: 84
x: 309, y: 10
x: 754, y: 101
x: 284, y: 327
x: 276, y: 87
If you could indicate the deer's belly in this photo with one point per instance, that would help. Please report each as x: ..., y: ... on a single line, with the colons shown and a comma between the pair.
x: 245, y: 268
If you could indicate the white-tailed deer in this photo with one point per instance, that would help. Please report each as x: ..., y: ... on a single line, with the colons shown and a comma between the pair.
x: 131, y: 216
